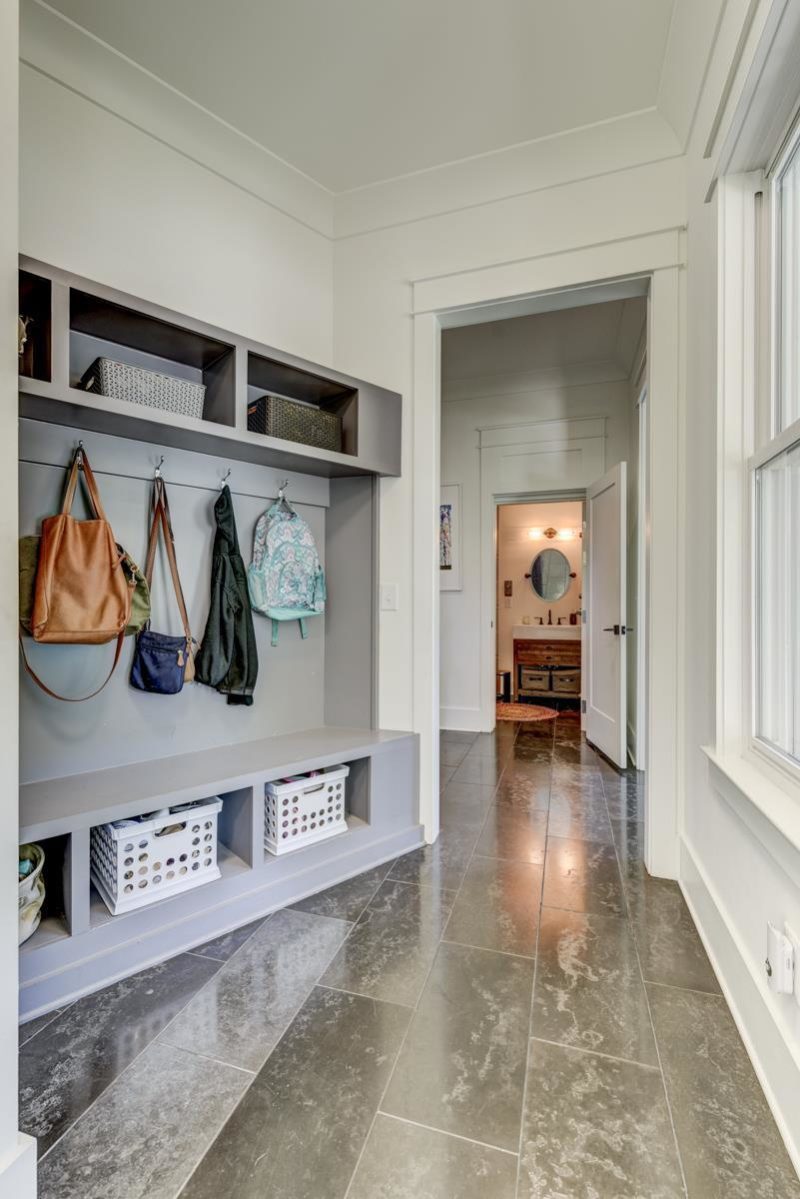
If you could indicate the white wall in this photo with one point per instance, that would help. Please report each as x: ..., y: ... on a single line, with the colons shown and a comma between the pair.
x: 516, y: 552
x: 17, y: 1154
x: 498, y: 375
x: 106, y: 200
x: 737, y: 872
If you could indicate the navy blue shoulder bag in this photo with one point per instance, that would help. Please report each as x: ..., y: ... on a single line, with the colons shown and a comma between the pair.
x: 161, y: 663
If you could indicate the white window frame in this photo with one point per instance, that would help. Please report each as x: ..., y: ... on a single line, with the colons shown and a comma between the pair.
x: 769, y: 441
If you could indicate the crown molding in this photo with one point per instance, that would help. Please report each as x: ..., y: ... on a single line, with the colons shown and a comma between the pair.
x: 74, y: 58
x: 601, y: 149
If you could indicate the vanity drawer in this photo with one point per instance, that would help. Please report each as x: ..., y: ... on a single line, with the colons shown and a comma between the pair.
x: 534, y: 680
x: 568, y: 682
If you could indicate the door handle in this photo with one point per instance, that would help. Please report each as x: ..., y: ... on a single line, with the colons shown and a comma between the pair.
x: 613, y: 628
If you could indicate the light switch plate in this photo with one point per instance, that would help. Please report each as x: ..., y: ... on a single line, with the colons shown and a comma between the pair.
x: 795, y: 943
x: 388, y: 597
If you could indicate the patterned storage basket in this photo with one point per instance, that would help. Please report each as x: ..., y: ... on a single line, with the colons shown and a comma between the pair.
x: 302, y: 810
x: 276, y: 416
x: 148, y: 860
x: 120, y: 381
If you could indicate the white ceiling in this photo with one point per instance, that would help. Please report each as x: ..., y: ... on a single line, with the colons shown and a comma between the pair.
x: 607, y: 334
x: 351, y: 92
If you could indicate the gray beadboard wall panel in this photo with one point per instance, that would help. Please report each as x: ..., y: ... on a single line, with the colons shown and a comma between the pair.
x: 350, y: 654
x: 122, y: 725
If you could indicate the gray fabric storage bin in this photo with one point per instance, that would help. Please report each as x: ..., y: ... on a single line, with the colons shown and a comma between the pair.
x: 275, y: 416
x: 120, y: 381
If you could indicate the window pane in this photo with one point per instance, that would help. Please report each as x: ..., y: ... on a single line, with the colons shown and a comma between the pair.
x: 789, y: 292
x: 778, y: 602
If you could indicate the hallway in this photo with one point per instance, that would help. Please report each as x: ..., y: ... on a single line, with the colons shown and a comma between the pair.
x: 518, y: 1010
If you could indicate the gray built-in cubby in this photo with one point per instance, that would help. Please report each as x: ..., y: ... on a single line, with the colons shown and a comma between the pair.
x: 126, y: 753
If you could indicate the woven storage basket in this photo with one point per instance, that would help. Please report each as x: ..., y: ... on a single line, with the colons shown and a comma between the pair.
x: 308, y: 808
x: 276, y: 416
x: 145, y: 861
x: 120, y: 381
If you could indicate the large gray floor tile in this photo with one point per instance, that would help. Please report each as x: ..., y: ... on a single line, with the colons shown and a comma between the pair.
x: 347, y: 900
x: 578, y: 779
x: 580, y: 816
x: 145, y: 1134
x: 462, y: 1067
x: 728, y: 1141
x: 444, y: 863
x: 628, y: 839
x: 224, y: 947
x: 669, y: 945
x: 452, y: 753
x: 571, y: 752
x: 595, y: 1129
x: 239, y: 1016
x: 32, y: 1028
x: 498, y: 906
x: 625, y: 797
x: 465, y: 804
x: 479, y: 770
x: 589, y: 991
x: 527, y: 790
x: 404, y: 1161
x: 583, y: 876
x: 299, y: 1130
x: 70, y: 1063
x: 389, y: 952
x: 500, y: 741
x: 515, y: 833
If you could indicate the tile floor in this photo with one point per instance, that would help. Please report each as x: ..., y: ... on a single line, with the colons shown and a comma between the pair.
x: 518, y: 1011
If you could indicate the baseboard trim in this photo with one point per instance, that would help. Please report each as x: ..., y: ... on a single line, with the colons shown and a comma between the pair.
x: 18, y: 1169
x: 776, y: 1062
x: 460, y: 720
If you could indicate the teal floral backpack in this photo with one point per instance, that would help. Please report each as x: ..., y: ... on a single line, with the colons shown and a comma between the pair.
x: 285, y: 579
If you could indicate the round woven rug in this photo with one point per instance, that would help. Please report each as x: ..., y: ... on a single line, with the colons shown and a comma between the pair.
x: 525, y: 712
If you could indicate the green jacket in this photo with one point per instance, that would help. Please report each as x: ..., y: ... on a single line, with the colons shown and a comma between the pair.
x: 228, y: 657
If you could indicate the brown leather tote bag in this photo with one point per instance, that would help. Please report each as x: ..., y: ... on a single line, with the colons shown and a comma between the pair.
x: 82, y: 595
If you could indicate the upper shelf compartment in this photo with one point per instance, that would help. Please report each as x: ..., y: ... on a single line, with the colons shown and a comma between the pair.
x: 100, y: 328
x: 78, y: 322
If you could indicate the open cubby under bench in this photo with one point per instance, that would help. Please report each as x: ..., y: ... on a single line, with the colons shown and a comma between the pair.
x: 88, y: 948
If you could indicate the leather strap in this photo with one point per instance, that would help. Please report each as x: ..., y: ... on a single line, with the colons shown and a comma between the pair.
x: 162, y: 521
x: 81, y: 463
x: 71, y: 699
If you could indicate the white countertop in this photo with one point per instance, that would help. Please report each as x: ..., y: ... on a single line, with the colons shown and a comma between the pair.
x: 547, y: 632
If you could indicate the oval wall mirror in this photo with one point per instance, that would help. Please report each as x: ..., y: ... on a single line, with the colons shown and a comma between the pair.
x: 550, y: 575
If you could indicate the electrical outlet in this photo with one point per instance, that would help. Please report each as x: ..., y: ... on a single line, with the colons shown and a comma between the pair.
x: 780, y: 961
x: 793, y: 938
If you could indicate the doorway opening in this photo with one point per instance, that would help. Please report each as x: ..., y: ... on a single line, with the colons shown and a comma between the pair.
x: 539, y: 608
x: 543, y: 467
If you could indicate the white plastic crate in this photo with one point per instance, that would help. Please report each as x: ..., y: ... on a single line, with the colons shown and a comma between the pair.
x: 304, y: 809
x: 142, y: 862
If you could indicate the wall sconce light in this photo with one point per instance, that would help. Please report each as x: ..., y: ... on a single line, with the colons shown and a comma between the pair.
x: 550, y: 533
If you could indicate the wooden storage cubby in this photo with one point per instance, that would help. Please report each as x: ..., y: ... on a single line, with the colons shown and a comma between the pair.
x: 35, y: 302
x: 100, y: 328
x: 126, y: 754
x: 88, y: 320
x: 55, y: 923
x: 268, y: 376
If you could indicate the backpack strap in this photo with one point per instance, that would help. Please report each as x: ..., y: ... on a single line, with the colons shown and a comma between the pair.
x: 303, y: 629
x: 275, y: 626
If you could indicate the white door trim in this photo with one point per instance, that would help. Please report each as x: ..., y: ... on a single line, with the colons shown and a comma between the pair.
x: 661, y: 257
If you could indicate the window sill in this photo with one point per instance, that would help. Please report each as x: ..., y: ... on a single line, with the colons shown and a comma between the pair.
x: 771, y: 813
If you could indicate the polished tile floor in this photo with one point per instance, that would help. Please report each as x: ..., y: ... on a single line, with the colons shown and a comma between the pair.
x: 518, y: 1012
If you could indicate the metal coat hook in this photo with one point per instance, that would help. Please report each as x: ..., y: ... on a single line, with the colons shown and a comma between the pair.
x: 158, y: 468
x: 227, y: 476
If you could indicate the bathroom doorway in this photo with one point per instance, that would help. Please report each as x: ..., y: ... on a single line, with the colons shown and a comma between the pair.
x: 540, y: 573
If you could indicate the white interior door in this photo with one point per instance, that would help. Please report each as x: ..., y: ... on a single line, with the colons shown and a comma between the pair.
x: 606, y: 617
